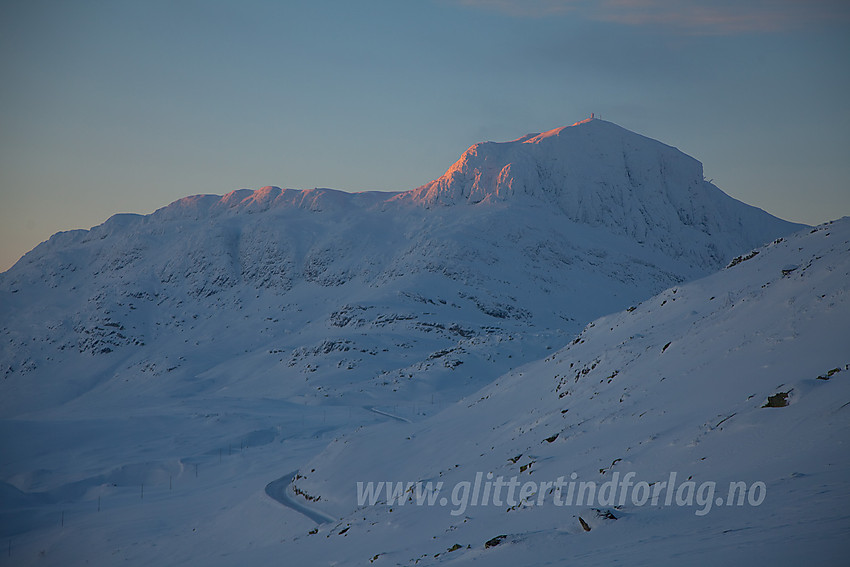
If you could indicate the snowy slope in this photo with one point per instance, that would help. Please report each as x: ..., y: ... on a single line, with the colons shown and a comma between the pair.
x: 239, y: 335
x: 677, y: 384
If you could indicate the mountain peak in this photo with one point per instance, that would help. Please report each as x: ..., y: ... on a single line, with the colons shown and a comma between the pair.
x: 600, y: 174
x: 596, y: 123
x: 570, y: 162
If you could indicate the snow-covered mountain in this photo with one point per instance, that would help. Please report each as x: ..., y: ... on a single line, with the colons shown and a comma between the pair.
x: 149, y: 346
x: 516, y: 242
x: 599, y: 174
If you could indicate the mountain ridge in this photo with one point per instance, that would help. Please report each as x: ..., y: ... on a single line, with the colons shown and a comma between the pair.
x: 595, y: 172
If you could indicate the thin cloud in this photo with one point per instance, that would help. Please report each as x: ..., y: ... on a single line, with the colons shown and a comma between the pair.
x: 696, y: 17
x: 526, y: 8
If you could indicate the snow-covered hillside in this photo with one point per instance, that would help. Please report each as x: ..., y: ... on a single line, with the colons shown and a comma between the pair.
x: 743, y: 376
x: 143, y: 356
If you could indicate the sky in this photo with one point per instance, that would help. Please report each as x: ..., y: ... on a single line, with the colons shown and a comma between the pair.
x: 111, y: 106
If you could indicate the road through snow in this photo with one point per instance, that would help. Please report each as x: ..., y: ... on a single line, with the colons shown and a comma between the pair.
x: 277, y: 490
x: 389, y: 415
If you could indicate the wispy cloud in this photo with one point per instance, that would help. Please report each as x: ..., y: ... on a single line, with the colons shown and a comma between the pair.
x: 526, y: 8
x: 697, y: 17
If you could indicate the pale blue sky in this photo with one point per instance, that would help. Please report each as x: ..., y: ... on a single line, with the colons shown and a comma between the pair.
x: 120, y: 106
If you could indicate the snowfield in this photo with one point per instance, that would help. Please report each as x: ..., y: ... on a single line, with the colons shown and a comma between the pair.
x: 164, y: 375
